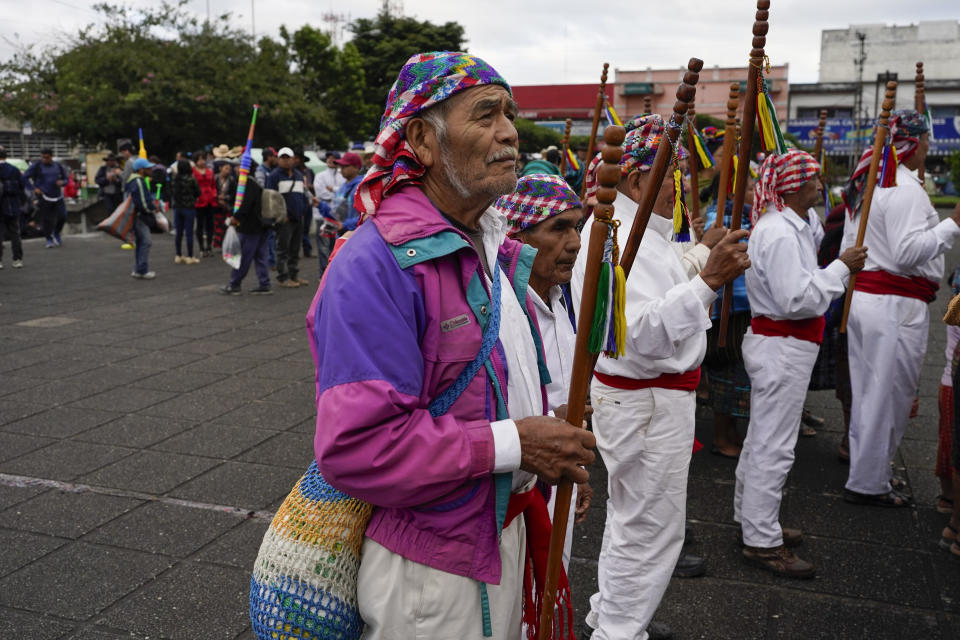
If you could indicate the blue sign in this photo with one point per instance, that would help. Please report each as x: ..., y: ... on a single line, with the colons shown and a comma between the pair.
x: 840, y: 135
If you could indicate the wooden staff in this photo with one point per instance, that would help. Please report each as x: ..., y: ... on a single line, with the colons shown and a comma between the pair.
x: 889, y: 101
x: 608, y: 176
x: 597, y: 109
x: 818, y: 136
x: 694, y: 163
x: 647, y: 104
x: 920, y: 102
x: 564, y: 145
x: 726, y: 153
x: 760, y: 28
x: 661, y: 162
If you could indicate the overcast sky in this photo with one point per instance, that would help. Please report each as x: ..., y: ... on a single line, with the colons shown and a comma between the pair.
x: 540, y: 41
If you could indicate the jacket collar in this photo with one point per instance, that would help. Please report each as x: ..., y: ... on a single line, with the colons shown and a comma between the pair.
x: 409, y: 215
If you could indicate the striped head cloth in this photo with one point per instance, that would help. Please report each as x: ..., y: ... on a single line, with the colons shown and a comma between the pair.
x: 780, y: 175
x: 425, y: 80
x: 538, y: 196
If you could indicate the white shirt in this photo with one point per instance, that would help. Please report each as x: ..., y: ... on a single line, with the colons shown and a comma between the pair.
x: 784, y: 281
x: 326, y: 183
x: 666, y: 311
x: 905, y: 236
x: 693, y: 255
x: 559, y: 341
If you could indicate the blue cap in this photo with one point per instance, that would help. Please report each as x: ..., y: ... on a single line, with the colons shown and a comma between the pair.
x: 142, y: 163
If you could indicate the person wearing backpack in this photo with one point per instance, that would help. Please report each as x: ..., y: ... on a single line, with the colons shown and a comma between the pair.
x: 47, y: 178
x: 184, y: 192
x: 11, y: 203
x: 249, y: 222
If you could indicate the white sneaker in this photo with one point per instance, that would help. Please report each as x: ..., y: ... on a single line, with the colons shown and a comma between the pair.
x: 18, y: 264
x: 179, y: 260
x: 149, y: 275
x: 1, y: 265
x: 134, y: 274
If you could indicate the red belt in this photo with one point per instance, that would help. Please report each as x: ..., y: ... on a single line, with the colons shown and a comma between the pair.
x: 809, y: 329
x: 679, y: 381
x: 886, y: 283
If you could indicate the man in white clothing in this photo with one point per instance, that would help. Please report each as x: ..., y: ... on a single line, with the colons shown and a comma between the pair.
x: 544, y: 213
x: 644, y: 401
x: 789, y: 295
x: 889, y: 321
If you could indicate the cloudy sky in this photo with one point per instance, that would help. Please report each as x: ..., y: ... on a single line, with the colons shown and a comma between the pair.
x: 536, y: 41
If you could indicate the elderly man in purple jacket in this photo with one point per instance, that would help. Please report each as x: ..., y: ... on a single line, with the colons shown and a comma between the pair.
x: 426, y: 289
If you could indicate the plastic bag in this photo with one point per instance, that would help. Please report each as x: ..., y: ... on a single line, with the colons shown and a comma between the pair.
x: 230, y: 247
x: 162, y: 224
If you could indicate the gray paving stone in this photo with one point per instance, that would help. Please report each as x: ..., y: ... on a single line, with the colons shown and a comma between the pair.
x: 183, y: 604
x: 57, y: 369
x: 13, y: 384
x: 215, y: 440
x: 167, y: 529
x: 195, y: 331
x: 64, y: 460
x: 297, y: 394
x: 11, y: 411
x: 136, y: 431
x: 197, y: 406
x: 237, y: 547
x: 22, y: 624
x: 10, y: 495
x: 283, y: 371
x: 260, y: 351
x: 62, y: 422
x: 292, y: 449
x: 247, y: 335
x: 14, y: 445
x: 178, y: 380
x: 714, y: 610
x: 305, y: 426
x: 159, y: 341
x: 249, y: 386
x: 67, y: 515
x: 205, y: 347
x: 23, y: 357
x: 223, y: 364
x: 79, y: 580
x: 153, y: 472
x: 242, y: 484
x: 100, y: 634
x: 22, y: 547
x: 163, y: 360
x: 124, y: 399
x: 267, y: 415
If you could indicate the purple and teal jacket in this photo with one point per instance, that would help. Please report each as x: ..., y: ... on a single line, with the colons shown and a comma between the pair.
x: 397, y: 316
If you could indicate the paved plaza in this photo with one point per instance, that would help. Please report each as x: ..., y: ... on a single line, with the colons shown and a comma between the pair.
x: 148, y: 430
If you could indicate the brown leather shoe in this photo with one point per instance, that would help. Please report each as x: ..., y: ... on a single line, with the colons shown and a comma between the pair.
x: 302, y: 281
x: 289, y: 284
x: 780, y: 561
x: 791, y: 537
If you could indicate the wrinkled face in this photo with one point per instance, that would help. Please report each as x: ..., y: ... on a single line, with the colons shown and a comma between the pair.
x: 557, y: 242
x: 479, y: 151
x: 809, y: 194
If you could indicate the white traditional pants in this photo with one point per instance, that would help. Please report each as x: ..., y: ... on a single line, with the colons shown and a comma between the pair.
x: 887, y: 340
x: 402, y: 600
x: 646, y: 438
x: 779, y: 370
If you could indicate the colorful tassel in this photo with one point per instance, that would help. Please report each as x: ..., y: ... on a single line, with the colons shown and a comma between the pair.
x: 929, y: 118
x: 771, y: 137
x: 619, y: 312
x: 600, y: 316
x: 612, y: 118
x: 888, y: 167
x: 681, y: 224
x: 703, y: 153
x: 572, y: 160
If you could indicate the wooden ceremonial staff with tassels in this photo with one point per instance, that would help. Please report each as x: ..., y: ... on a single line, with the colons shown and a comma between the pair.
x: 693, y: 162
x: 760, y: 28
x: 889, y: 101
x: 920, y: 102
x: 818, y: 136
x: 564, y: 145
x: 597, y: 110
x: 726, y: 154
x: 608, y: 176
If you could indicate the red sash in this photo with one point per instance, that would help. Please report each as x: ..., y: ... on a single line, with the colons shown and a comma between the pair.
x: 809, y: 329
x: 536, y: 517
x: 679, y: 381
x: 886, y: 283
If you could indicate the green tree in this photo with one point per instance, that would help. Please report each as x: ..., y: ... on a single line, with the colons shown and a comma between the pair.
x: 386, y: 42
x: 186, y: 83
x: 953, y: 162
x: 534, y: 138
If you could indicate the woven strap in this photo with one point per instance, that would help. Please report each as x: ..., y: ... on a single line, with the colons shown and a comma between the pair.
x: 442, y: 403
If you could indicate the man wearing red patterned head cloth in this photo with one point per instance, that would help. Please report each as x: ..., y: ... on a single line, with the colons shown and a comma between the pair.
x: 644, y: 401
x: 789, y: 295
x: 888, y: 324
x: 430, y: 399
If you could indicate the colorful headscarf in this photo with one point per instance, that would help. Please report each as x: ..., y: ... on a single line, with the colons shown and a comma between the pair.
x: 425, y: 80
x: 779, y: 175
x: 538, y: 196
x: 906, y: 127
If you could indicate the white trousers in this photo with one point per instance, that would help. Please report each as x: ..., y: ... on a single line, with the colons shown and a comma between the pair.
x: 402, y: 600
x: 887, y: 340
x: 779, y: 370
x: 645, y: 438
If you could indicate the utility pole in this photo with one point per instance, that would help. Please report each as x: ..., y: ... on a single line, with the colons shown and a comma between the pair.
x: 858, y: 101
x: 253, y: 23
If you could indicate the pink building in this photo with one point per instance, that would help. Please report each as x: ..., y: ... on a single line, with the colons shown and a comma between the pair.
x: 713, y: 89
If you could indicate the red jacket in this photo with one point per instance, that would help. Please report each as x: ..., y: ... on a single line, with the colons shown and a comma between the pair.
x: 208, y: 188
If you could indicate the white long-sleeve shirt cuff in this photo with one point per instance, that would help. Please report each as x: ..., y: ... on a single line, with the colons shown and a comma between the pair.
x: 696, y: 258
x: 947, y: 231
x: 840, y: 270
x: 703, y: 291
x: 506, y: 446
